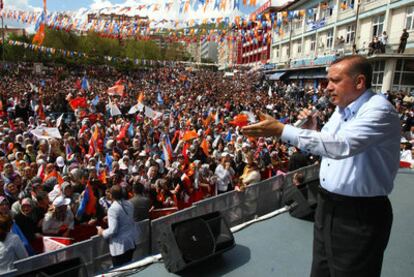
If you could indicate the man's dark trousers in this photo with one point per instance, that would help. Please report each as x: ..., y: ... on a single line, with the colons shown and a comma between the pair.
x: 350, y: 235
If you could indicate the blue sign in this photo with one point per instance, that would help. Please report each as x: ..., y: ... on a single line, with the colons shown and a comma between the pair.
x: 323, y: 60
x: 269, y: 66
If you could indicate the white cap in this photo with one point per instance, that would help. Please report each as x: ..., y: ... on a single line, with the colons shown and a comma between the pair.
x: 245, y: 144
x: 60, y: 201
x: 60, y: 161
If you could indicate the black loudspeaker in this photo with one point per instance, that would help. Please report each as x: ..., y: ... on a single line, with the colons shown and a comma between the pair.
x: 185, y: 243
x: 299, y: 199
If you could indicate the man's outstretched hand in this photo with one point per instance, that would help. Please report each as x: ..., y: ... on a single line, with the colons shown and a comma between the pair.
x: 268, y: 127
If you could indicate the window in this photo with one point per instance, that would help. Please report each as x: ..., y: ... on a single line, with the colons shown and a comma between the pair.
x: 299, y: 47
x: 404, y: 75
x: 350, y: 34
x: 311, y: 14
x: 276, y: 52
x: 377, y: 75
x: 326, y: 9
x: 409, y: 25
x: 297, y: 24
x: 331, y: 6
x: 285, y: 28
x: 329, y: 38
x: 378, y: 25
x: 312, y: 43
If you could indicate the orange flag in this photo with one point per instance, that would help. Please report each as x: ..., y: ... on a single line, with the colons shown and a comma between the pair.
x: 141, y: 97
x: 240, y: 120
x: 39, y: 37
x: 205, y: 147
x: 189, y: 135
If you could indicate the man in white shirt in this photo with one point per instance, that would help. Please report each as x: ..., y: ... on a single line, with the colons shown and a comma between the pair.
x: 359, y: 146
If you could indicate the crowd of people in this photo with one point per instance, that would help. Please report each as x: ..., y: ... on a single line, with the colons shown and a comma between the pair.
x: 167, y: 136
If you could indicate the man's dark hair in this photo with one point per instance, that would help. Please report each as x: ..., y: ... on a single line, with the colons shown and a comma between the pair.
x: 5, y: 225
x: 41, y: 195
x: 116, y: 192
x: 138, y: 187
x: 358, y: 65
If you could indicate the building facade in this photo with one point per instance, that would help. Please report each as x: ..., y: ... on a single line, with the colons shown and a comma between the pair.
x: 304, y: 46
x: 227, y: 52
x: 9, y: 31
x: 254, y: 46
x: 209, y: 51
x: 194, y: 50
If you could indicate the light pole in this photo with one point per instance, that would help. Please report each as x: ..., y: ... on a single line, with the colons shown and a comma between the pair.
x: 354, y: 46
x: 2, y: 32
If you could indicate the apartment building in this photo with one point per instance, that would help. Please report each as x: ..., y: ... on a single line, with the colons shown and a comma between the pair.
x: 254, y: 51
x: 305, y: 45
x: 209, y: 50
x: 227, y: 52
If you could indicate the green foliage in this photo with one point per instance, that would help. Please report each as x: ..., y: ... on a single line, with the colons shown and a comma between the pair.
x: 96, y: 48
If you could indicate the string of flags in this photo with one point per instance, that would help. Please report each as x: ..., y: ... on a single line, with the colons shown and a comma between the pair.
x: 136, y: 25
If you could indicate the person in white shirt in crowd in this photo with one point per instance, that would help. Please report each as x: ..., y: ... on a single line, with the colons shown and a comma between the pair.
x: 224, y: 173
x: 11, y: 247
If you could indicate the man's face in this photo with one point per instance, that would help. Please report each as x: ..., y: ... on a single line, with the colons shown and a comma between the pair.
x: 26, y: 209
x: 341, y: 87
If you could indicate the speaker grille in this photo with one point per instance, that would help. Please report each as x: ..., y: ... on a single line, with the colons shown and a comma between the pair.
x: 195, y: 239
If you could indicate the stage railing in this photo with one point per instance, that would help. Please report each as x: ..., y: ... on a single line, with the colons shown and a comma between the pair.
x: 237, y: 207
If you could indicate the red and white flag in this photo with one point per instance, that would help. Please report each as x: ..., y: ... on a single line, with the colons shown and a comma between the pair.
x: 55, y: 243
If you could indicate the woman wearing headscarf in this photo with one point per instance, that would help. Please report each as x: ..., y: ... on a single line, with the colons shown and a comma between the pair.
x: 25, y: 220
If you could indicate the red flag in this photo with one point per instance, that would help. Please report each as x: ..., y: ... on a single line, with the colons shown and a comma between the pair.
x: 184, y: 152
x: 78, y: 102
x: 11, y: 125
x: 123, y: 132
x: 2, y: 113
x: 102, y: 176
x: 40, y: 112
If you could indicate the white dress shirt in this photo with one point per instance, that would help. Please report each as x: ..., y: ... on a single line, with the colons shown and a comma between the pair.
x: 359, y: 146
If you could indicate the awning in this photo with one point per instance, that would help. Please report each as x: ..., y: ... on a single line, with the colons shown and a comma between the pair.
x: 320, y: 74
x: 307, y: 75
x: 276, y: 76
x: 294, y: 75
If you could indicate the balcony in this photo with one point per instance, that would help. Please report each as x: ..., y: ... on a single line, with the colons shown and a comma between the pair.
x: 344, y: 14
x: 368, y: 6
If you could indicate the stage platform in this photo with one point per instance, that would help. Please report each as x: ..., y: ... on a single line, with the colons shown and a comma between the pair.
x: 282, y: 246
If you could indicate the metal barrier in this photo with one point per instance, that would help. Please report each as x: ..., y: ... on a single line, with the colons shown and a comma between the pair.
x: 237, y: 207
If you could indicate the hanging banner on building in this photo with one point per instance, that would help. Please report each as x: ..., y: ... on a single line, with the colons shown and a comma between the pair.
x: 317, y: 24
